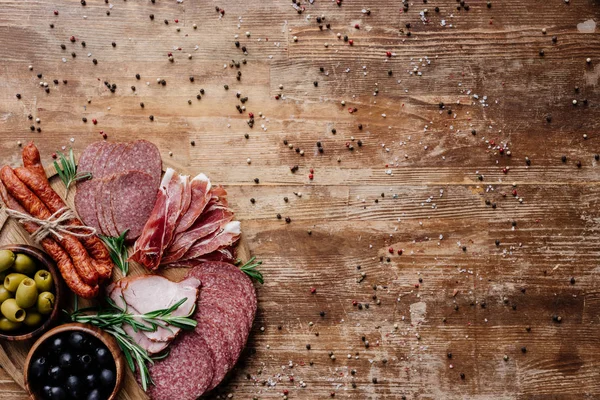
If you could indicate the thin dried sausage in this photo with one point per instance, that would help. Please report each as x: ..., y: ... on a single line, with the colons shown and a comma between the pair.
x: 56, y: 252
x: 34, y: 206
x: 32, y: 159
x: 41, y: 188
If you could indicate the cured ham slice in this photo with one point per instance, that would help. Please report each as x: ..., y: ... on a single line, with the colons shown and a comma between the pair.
x: 224, y: 237
x: 215, y: 217
x: 116, y: 294
x: 147, y: 293
x: 158, y: 230
x: 200, y: 195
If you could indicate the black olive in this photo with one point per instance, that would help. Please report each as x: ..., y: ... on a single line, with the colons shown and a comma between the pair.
x: 107, y: 378
x: 91, y: 381
x: 74, y: 387
x: 57, y: 345
x: 77, y: 341
x: 46, y: 391
x: 103, y: 355
x: 65, y: 360
x: 56, y: 373
x: 85, y: 361
x: 57, y: 393
x: 38, y: 368
x: 94, y: 395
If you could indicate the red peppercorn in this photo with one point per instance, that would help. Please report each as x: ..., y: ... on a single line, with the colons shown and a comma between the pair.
x: 400, y: 251
x: 357, y: 26
x: 354, y: 303
x: 350, y: 42
x: 501, y: 150
x: 311, y: 176
x: 250, y: 115
x: 504, y: 170
x: 514, y: 192
x: 391, y: 250
x: 286, y: 392
x: 176, y: 21
x: 101, y: 132
x: 388, y: 53
x: 104, y: 136
x: 222, y: 11
x: 54, y: 155
x: 94, y: 121
x: 417, y: 285
x: 291, y: 379
x: 169, y: 54
x: 312, y: 171
x: 313, y: 290
x: 72, y: 38
x: 277, y: 97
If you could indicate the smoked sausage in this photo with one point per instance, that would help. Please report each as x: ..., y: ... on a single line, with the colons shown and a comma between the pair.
x: 41, y: 188
x: 34, y: 206
x: 56, y: 252
x: 32, y: 159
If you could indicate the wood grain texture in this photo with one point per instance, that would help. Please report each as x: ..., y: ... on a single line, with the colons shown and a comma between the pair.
x: 484, y: 64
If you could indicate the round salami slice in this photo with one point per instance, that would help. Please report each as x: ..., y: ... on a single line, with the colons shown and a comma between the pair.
x: 186, y: 373
x: 114, y: 160
x: 132, y: 198
x: 215, y: 337
x: 86, y: 161
x: 85, y: 202
x: 144, y: 156
x: 101, y: 159
x: 103, y: 207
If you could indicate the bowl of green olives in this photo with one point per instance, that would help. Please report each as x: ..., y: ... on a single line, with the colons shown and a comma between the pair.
x: 74, y: 362
x: 30, y: 291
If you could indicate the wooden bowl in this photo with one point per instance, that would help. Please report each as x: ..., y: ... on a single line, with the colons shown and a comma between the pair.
x: 47, y: 263
x: 108, y: 340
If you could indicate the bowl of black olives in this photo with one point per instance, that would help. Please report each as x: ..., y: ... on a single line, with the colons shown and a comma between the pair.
x: 74, y: 362
x: 30, y: 292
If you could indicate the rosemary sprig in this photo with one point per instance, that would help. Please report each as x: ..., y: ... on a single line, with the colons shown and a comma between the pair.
x: 112, y: 319
x: 118, y: 251
x: 250, y: 269
x: 68, y: 173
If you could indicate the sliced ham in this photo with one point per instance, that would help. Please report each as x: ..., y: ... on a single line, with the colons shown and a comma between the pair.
x: 224, y: 237
x: 200, y: 195
x: 215, y: 217
x: 116, y: 294
x: 148, y: 293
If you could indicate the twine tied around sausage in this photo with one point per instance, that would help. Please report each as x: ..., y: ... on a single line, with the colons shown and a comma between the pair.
x: 55, y: 225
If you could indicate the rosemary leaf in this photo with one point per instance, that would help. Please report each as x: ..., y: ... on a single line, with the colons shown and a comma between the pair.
x: 68, y: 173
x: 118, y: 251
x: 250, y: 269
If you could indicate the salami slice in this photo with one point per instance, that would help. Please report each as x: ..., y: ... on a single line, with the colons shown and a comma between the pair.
x: 215, y: 337
x: 132, y: 198
x: 86, y: 161
x: 85, y: 202
x: 114, y: 164
x: 186, y: 373
x: 103, y: 210
x: 144, y: 156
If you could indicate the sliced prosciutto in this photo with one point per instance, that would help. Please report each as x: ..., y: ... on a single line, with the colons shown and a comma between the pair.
x: 190, y: 220
x: 214, y: 218
x: 199, y: 197
x: 224, y: 237
x: 159, y: 228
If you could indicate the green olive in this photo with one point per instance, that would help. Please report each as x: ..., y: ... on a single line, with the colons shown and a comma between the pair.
x: 12, y: 311
x: 43, y: 280
x: 12, y: 281
x: 24, y: 264
x: 33, y: 319
x: 8, y: 325
x: 45, y: 303
x: 27, y: 293
x: 7, y: 259
x: 4, y: 294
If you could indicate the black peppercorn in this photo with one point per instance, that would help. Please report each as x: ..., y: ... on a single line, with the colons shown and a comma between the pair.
x: 95, y: 61
x: 18, y: 95
x: 151, y: 118
x: 84, y: 119
x: 252, y: 200
x: 152, y: 16
x: 316, y: 83
x: 256, y: 180
x: 288, y: 219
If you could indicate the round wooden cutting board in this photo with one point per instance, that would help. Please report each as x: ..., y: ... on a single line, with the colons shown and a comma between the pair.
x: 13, y: 354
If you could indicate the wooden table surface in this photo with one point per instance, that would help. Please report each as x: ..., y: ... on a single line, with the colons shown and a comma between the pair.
x: 458, y: 166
